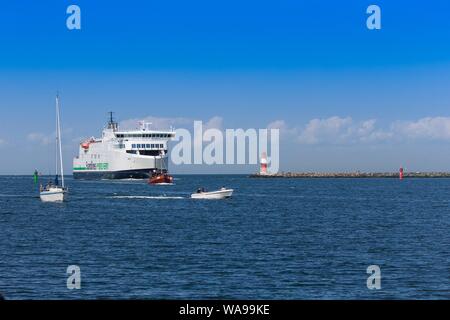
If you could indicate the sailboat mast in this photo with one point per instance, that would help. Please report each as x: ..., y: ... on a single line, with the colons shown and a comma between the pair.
x: 59, y: 139
x: 56, y: 142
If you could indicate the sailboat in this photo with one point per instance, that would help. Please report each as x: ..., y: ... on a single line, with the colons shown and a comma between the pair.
x: 53, y: 192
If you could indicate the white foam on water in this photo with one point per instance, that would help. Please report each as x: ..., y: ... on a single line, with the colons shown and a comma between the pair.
x: 145, y: 197
x: 17, y: 196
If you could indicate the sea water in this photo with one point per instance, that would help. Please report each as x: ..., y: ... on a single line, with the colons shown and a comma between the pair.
x: 274, y: 239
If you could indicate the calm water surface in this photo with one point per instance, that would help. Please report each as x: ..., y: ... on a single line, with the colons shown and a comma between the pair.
x: 275, y: 239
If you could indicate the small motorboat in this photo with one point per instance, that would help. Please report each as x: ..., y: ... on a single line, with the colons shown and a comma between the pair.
x: 161, y: 178
x: 218, y: 194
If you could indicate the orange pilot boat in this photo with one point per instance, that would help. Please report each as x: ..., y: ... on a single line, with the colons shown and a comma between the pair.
x: 160, y: 178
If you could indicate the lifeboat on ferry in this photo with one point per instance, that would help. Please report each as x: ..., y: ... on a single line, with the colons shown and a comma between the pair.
x: 161, y: 178
x: 85, y: 145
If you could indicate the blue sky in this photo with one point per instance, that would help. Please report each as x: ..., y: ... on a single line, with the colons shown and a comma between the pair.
x: 344, y: 97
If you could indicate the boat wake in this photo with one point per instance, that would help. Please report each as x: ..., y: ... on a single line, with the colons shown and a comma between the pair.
x: 18, y: 196
x: 146, y: 197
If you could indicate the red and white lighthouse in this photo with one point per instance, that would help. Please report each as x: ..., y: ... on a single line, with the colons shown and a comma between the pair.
x: 263, y: 162
x: 400, y: 173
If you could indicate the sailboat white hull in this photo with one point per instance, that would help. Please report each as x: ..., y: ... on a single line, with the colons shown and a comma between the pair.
x: 53, y: 195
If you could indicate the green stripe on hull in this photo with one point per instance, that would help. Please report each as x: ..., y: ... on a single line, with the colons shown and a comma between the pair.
x: 93, y: 167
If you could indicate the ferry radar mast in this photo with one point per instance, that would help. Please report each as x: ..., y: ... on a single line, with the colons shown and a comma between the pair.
x: 111, y: 123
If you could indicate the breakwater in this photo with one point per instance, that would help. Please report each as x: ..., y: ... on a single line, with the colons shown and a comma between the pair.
x: 356, y: 174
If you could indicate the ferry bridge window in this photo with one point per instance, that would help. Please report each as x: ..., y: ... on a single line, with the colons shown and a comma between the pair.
x: 133, y: 146
x: 149, y: 152
x: 148, y: 146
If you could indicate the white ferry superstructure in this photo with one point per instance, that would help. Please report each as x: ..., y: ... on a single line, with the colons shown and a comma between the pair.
x: 118, y: 154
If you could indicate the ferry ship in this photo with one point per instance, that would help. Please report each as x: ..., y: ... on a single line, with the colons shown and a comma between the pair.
x: 118, y: 154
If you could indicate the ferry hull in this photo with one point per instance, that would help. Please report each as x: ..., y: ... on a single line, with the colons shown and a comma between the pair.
x: 105, y: 175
